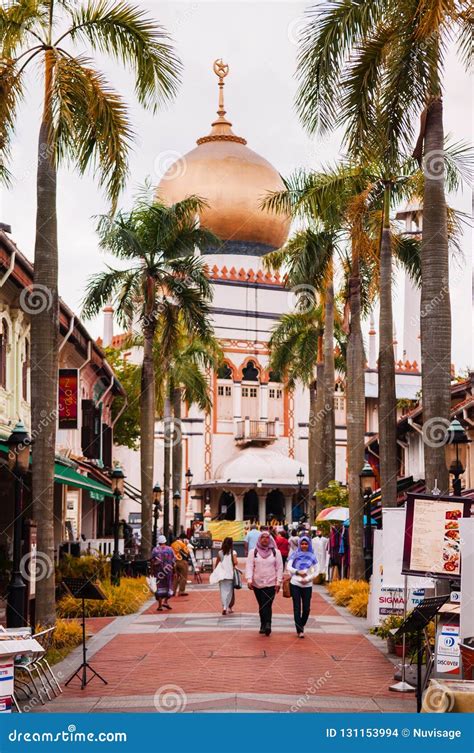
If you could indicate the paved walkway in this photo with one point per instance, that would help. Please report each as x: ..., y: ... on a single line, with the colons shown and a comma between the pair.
x: 194, y: 659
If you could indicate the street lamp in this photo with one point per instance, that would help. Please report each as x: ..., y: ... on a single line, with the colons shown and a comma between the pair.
x: 301, y: 505
x: 456, y: 453
x: 156, y: 511
x: 367, y: 488
x: 189, y: 479
x: 176, y: 510
x: 18, y: 443
x: 117, y: 477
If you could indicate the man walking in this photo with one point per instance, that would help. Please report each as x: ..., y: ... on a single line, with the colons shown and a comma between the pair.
x: 181, y: 553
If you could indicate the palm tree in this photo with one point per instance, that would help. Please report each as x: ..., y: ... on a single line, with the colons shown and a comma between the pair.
x: 307, y: 260
x: 162, y: 282
x: 183, y: 381
x: 86, y: 123
x: 374, y: 66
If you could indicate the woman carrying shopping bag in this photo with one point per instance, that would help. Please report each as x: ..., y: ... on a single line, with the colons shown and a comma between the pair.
x: 224, y: 573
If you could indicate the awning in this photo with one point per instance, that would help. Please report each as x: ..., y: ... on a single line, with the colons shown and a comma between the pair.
x: 63, y: 474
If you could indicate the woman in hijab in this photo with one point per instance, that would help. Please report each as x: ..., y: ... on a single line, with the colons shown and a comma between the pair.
x: 264, y: 572
x: 163, y: 566
x: 302, y: 567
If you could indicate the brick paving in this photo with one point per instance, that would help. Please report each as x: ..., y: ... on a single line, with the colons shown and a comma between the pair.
x: 194, y: 658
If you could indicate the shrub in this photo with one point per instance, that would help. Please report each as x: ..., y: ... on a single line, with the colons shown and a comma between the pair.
x: 92, y: 567
x: 359, y: 602
x: 343, y: 590
x: 68, y: 634
x: 123, y: 599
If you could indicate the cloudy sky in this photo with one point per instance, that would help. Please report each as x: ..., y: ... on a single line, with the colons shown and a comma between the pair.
x: 258, y: 40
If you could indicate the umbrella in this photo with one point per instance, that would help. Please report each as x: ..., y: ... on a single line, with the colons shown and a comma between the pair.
x: 333, y: 513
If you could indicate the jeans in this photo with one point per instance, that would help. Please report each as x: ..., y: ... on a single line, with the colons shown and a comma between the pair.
x: 301, y: 596
x: 265, y: 598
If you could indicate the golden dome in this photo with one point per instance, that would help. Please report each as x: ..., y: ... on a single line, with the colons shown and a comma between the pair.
x: 233, y: 180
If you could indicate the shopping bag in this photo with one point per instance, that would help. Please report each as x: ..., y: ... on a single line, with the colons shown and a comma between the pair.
x: 286, y: 586
x: 151, y: 583
x: 237, y: 579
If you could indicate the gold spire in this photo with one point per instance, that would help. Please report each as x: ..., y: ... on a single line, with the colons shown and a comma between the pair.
x: 221, y: 128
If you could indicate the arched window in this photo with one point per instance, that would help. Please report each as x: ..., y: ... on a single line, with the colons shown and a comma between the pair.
x: 3, y: 354
x: 224, y: 393
x: 250, y: 388
x: 25, y: 371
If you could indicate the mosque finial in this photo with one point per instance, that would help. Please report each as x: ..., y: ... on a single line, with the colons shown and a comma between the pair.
x: 221, y: 70
x: 221, y: 127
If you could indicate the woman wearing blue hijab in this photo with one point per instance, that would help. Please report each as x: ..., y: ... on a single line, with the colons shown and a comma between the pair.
x: 302, y: 567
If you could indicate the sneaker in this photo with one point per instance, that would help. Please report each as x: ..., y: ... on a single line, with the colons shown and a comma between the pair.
x: 224, y: 611
x: 300, y: 635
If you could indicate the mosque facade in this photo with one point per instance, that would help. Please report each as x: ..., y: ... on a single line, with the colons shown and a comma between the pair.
x: 247, y: 455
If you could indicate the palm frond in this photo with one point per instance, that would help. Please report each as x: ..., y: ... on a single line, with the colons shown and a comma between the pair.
x: 91, y: 122
x: 328, y: 37
x: 11, y: 93
x: 19, y: 23
x: 135, y: 40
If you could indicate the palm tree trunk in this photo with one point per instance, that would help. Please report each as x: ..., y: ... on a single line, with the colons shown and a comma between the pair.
x: 386, y: 367
x: 313, y: 451
x: 435, y: 315
x: 147, y: 438
x: 44, y: 357
x: 166, y: 464
x: 355, y: 423
x: 329, y: 445
x: 177, y: 452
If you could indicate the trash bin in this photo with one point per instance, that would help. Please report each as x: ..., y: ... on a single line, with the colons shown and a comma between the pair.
x: 467, y: 657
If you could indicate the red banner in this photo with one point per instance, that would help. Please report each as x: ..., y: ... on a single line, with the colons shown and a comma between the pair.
x: 68, y: 398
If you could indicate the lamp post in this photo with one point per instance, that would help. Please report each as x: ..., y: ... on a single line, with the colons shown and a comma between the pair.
x: 18, y: 443
x: 300, y: 479
x: 189, y: 479
x: 117, y: 477
x: 156, y: 511
x: 367, y: 487
x: 456, y: 453
x: 176, y: 510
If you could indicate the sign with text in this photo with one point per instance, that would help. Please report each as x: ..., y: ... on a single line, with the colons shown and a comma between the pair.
x: 68, y: 398
x: 432, y: 538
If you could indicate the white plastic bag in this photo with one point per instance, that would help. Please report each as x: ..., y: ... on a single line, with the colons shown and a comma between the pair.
x: 151, y: 583
x: 217, y: 574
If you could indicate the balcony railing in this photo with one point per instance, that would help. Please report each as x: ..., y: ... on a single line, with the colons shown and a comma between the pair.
x: 257, y: 431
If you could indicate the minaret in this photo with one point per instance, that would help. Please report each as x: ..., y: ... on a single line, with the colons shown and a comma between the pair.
x: 412, y: 214
x: 108, y: 332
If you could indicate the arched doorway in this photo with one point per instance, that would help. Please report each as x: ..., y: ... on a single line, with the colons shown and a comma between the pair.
x: 251, y: 505
x: 226, y: 506
x: 275, y: 505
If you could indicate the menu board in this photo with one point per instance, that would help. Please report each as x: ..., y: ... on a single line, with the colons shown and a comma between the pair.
x: 432, y: 538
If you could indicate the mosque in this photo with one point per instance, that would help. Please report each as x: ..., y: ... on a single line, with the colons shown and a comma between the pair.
x: 248, y: 456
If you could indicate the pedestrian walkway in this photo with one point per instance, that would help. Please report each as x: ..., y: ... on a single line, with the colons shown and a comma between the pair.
x: 194, y: 659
